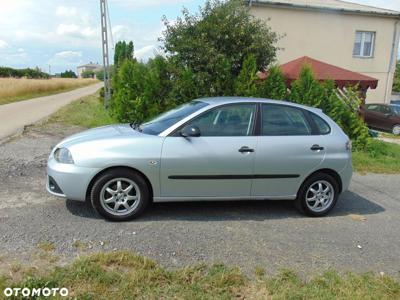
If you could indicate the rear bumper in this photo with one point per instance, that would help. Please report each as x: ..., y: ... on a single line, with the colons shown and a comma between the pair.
x: 68, y: 181
x: 346, y: 175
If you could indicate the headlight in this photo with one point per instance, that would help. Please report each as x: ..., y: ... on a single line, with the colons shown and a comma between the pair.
x: 62, y: 155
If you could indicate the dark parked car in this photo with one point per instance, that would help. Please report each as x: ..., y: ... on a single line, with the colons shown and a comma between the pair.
x: 382, y: 116
x: 396, y: 102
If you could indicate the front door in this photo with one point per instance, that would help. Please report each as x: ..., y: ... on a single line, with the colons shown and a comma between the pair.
x: 286, y: 152
x: 214, y: 164
x: 373, y: 115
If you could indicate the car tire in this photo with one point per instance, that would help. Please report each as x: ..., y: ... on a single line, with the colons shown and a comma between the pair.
x: 317, y: 195
x: 396, y: 129
x: 120, y: 195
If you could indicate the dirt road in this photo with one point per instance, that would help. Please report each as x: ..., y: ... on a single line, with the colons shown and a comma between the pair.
x: 14, y: 116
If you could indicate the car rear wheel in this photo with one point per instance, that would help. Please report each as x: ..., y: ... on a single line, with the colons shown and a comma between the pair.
x: 396, y: 129
x: 120, y: 195
x: 318, y: 195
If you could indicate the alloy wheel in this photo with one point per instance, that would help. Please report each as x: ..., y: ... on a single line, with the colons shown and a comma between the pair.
x: 320, y: 196
x: 396, y: 130
x: 120, y: 196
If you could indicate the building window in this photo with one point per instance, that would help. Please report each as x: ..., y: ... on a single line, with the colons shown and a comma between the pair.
x: 364, y: 44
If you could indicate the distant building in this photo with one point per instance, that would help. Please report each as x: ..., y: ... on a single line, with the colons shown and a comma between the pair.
x: 94, y: 67
x: 351, y: 36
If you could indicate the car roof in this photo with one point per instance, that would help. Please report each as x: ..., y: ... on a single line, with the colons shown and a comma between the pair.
x: 383, y: 104
x: 228, y: 100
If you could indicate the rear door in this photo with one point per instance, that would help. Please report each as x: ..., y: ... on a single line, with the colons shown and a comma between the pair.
x: 388, y: 117
x: 287, y: 151
x: 219, y: 163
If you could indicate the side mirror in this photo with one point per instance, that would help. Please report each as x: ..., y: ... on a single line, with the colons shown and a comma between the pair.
x: 387, y: 115
x: 190, y: 131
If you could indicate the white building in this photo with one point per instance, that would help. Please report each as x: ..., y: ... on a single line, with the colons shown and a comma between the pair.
x: 88, y: 67
x: 355, y: 37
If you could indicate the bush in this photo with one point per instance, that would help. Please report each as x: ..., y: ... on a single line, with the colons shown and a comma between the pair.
x: 68, y: 74
x: 87, y: 74
x: 18, y: 73
x: 128, y: 85
x: 338, y: 107
x: 396, y: 79
x: 342, y: 108
x: 209, y: 54
x: 245, y: 84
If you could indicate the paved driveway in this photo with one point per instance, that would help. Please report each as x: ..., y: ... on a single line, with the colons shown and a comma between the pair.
x: 247, y: 234
x: 15, y: 116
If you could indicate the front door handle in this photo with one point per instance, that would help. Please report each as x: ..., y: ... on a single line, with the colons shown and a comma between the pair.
x: 317, y: 148
x: 245, y: 149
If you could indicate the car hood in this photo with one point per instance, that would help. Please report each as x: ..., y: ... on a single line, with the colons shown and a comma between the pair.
x: 100, y: 133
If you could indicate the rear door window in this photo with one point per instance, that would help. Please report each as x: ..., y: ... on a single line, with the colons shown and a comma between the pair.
x: 322, y: 125
x: 373, y: 107
x: 385, y: 109
x: 282, y: 120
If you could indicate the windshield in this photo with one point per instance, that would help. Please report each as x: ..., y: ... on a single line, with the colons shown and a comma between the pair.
x: 396, y: 109
x: 169, y: 118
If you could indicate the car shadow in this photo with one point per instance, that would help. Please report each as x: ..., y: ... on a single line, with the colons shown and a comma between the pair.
x: 349, y: 203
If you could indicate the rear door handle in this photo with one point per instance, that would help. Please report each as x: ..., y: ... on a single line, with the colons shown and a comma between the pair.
x: 245, y: 149
x: 317, y: 148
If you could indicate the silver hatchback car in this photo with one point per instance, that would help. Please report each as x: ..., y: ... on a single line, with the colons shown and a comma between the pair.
x: 209, y: 149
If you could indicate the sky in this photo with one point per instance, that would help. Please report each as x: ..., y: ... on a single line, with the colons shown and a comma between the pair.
x: 62, y: 34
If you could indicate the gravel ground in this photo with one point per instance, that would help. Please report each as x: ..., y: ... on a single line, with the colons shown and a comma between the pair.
x: 361, y: 234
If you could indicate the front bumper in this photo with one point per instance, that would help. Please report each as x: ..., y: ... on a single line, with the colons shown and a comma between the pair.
x: 68, y: 180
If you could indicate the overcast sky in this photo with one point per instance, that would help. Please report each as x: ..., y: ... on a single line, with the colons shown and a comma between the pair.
x: 66, y: 33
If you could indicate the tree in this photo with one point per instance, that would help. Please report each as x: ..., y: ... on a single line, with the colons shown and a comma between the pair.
x: 274, y: 86
x: 307, y: 90
x: 68, y: 74
x: 245, y: 84
x: 122, y: 52
x: 87, y: 74
x: 396, y: 79
x: 214, y: 44
x: 127, y: 103
x: 157, y: 86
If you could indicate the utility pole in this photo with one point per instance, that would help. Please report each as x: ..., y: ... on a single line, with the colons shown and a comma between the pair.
x: 106, y: 62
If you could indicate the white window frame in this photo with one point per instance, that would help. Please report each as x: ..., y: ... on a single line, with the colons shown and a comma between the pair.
x: 363, y: 34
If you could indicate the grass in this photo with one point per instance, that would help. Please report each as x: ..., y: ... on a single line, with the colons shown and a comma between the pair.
x: 86, y: 112
x: 389, y: 135
x: 124, y: 275
x: 14, y: 89
x: 378, y: 157
x: 46, y: 246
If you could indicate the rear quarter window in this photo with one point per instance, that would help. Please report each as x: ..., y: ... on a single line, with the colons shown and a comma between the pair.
x: 322, y: 126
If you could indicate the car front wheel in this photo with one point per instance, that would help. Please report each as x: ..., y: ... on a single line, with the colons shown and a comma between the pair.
x: 396, y: 129
x: 318, y: 195
x: 120, y: 195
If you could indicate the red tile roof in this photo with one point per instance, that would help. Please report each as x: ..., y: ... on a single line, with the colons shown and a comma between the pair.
x: 323, y: 71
